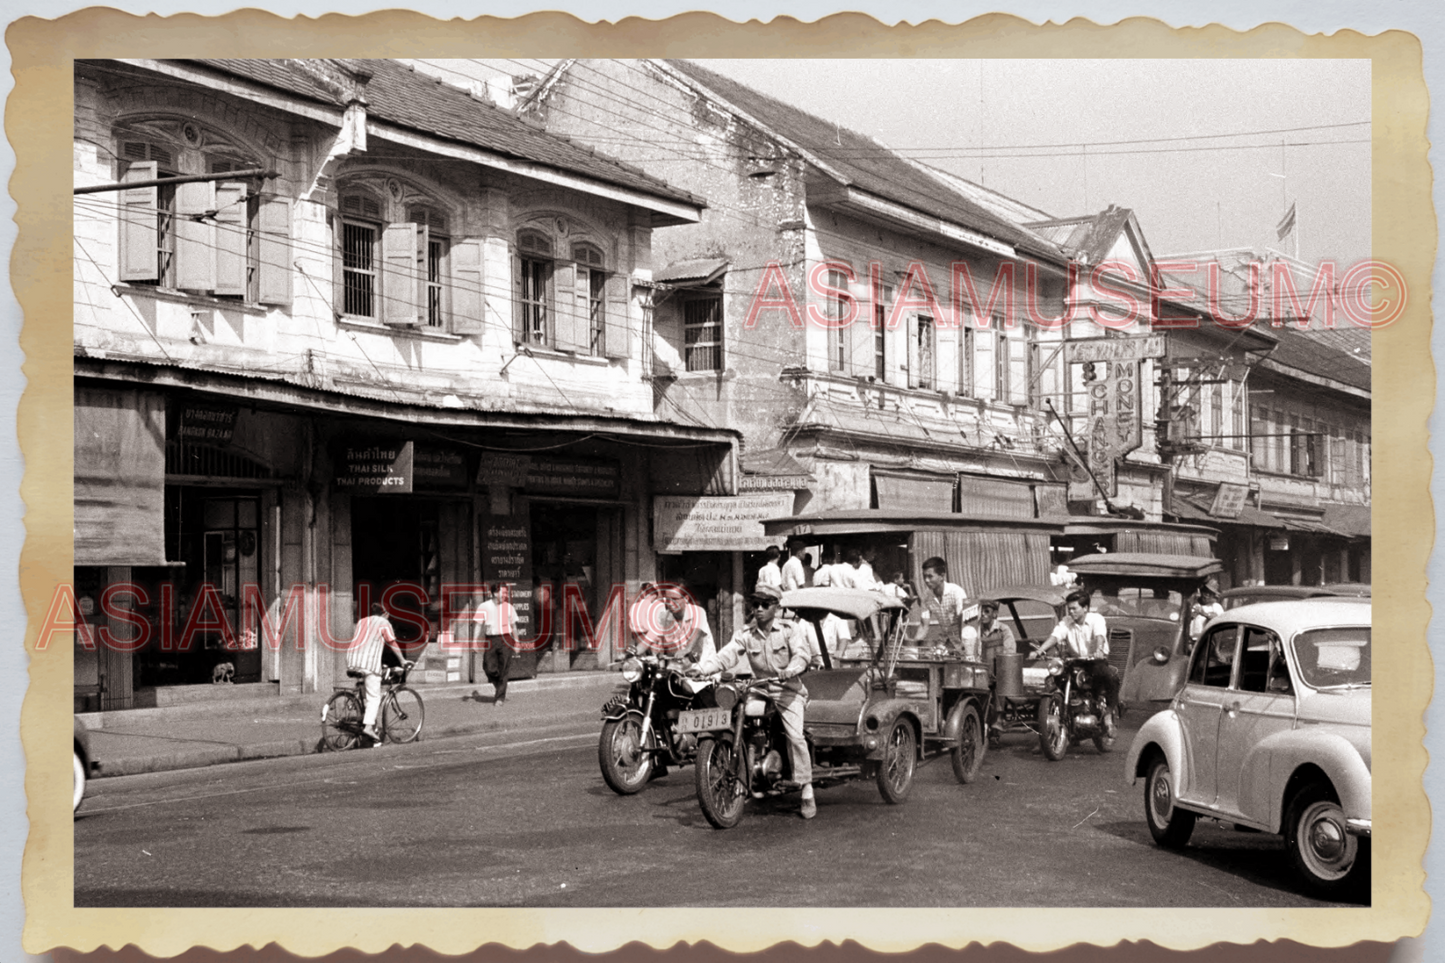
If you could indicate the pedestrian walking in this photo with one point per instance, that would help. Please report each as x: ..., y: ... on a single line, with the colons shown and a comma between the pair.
x: 499, y: 622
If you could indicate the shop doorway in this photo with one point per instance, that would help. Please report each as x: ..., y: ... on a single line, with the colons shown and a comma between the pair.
x: 576, y: 554
x: 394, y: 541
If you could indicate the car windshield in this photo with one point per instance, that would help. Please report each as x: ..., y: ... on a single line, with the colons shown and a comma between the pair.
x: 1149, y: 603
x: 1334, y: 657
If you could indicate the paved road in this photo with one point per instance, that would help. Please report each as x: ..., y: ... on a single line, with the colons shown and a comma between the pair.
x: 524, y: 819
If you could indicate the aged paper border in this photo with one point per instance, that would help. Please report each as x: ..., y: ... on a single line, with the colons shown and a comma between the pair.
x: 39, y: 127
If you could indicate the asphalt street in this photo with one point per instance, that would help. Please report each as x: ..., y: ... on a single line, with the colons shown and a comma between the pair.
x: 523, y: 818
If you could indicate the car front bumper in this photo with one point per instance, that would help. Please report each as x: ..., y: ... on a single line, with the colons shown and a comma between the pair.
x: 1358, y: 827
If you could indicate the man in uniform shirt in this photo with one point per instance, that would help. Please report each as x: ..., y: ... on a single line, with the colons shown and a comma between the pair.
x: 773, y: 648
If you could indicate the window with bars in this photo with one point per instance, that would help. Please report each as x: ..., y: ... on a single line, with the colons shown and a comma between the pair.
x: 882, y: 298
x: 836, y: 308
x: 923, y: 352
x: 702, y: 333
x: 360, y: 241
x: 438, y: 246
x: 219, y: 237
x: 534, y: 288
x: 592, y: 296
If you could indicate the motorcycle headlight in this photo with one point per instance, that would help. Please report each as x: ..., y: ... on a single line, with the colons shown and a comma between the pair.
x: 1056, y: 667
x: 725, y: 696
x: 632, y: 670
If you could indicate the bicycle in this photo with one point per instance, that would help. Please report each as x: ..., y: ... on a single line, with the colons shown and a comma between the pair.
x: 400, y: 719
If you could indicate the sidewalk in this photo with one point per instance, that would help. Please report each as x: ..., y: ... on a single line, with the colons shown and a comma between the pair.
x: 204, y: 734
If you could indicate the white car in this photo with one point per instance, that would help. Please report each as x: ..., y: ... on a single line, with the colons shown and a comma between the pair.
x: 1271, y: 732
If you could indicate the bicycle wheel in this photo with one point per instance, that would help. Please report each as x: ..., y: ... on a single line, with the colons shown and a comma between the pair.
x: 341, y: 722
x: 402, y: 714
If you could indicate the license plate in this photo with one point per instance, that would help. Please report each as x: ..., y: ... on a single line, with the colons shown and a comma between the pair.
x: 703, y: 720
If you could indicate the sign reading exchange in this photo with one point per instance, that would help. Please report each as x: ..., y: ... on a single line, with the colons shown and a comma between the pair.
x: 715, y: 523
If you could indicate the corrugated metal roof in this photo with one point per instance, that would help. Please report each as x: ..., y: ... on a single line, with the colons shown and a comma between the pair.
x: 861, y: 161
x: 399, y: 94
x: 1089, y: 238
x: 697, y: 269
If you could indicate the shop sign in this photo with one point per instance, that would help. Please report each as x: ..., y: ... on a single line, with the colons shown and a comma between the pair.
x: 772, y: 483
x: 375, y: 468
x: 1115, y: 349
x: 551, y: 475
x: 1229, y: 500
x: 207, y: 424
x: 440, y: 468
x: 507, y: 558
x: 715, y: 523
x: 1279, y: 543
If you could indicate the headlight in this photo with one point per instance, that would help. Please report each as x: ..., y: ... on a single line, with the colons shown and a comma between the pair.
x: 632, y: 670
x: 1056, y: 666
x: 725, y: 696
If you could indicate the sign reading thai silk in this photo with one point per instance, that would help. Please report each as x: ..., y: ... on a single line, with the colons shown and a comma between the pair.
x: 375, y: 468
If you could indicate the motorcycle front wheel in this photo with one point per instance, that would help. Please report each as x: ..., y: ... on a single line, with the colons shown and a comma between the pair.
x: 719, y: 792
x: 625, y: 764
x: 1053, y: 737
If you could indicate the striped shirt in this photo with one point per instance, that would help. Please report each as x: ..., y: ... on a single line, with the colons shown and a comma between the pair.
x: 373, y: 633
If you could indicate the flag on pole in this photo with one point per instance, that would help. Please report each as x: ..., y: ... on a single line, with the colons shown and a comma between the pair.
x: 1286, y: 224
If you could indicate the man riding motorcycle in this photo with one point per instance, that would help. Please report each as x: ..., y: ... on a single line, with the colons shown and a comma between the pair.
x: 773, y: 648
x: 1082, y: 634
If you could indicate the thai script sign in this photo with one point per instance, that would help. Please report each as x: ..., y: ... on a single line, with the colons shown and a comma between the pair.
x: 383, y: 468
x: 440, y: 468
x: 715, y: 523
x: 207, y: 425
x: 507, y: 558
x: 1114, y: 349
x: 1228, y: 501
x: 551, y: 474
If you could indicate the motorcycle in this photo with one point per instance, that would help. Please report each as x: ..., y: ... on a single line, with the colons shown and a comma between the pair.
x: 745, y: 755
x: 1069, y: 711
x: 640, y: 725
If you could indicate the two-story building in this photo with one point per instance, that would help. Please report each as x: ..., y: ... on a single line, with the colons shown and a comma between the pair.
x: 342, y: 333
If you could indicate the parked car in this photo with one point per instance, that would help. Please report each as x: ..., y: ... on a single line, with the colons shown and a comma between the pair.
x: 1271, y: 732
x: 1148, y: 602
x: 1253, y: 594
x: 85, y: 763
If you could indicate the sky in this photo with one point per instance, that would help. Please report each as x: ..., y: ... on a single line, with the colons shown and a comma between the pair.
x: 1049, y: 133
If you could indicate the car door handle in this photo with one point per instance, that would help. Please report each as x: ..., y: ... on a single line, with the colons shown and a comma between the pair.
x: 1232, y: 709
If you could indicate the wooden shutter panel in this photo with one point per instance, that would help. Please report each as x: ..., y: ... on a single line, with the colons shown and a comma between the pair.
x: 913, y: 358
x: 274, y: 251
x: 231, y: 238
x: 617, y: 340
x: 566, y: 321
x: 195, y: 239
x: 519, y: 325
x: 860, y: 330
x: 402, y: 245
x: 984, y: 371
x: 468, y: 303
x: 138, y: 229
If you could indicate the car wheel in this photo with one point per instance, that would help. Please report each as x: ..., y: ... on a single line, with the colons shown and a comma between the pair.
x: 1324, y: 854
x: 1053, y: 737
x: 719, y: 792
x: 895, y: 775
x: 626, y: 765
x: 969, y: 750
x: 1170, y: 826
x: 79, y: 790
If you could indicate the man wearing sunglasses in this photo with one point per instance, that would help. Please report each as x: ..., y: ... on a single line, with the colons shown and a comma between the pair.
x: 774, y: 648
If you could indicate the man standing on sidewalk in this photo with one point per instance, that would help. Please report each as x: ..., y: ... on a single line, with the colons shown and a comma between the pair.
x: 373, y: 634
x: 499, y: 620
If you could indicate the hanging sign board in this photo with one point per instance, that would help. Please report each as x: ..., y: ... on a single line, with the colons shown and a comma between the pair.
x: 440, y: 469
x: 1228, y: 501
x: 1115, y: 349
x: 715, y: 523
x: 207, y: 424
x: 551, y: 474
x: 507, y: 558
x: 375, y: 468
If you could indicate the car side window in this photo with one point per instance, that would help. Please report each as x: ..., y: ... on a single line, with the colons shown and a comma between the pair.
x: 1214, y: 659
x: 1278, y: 668
x: 1254, y: 666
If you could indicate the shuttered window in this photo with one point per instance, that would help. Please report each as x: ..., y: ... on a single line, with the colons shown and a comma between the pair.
x: 882, y: 298
x: 359, y: 268
x: 534, y: 284
x: 592, y: 296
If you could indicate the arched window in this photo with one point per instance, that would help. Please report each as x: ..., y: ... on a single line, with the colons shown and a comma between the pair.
x: 567, y: 299
x: 406, y: 273
x: 591, y: 296
x: 534, y: 288
x: 223, y: 236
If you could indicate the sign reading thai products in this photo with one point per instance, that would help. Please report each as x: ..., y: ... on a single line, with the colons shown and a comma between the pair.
x: 715, y: 523
x: 375, y: 468
x: 207, y: 424
x: 1229, y: 500
x: 552, y: 474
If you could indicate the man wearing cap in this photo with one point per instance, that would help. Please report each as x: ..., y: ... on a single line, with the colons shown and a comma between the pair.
x: 1207, y: 608
x: 774, y: 648
x: 989, y: 638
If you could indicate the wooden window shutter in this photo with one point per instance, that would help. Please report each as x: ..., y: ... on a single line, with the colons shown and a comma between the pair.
x: 274, y: 251
x: 984, y: 371
x: 860, y: 330
x: 468, y: 302
x: 195, y: 239
x: 403, y: 248
x: 914, y: 359
x: 338, y: 274
x: 139, y: 237
x: 616, y: 338
x: 568, y: 318
x: 231, y: 230
x: 519, y: 314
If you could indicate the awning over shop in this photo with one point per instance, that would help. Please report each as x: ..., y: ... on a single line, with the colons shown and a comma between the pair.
x: 772, y: 469
x: 1352, y: 520
x: 1294, y: 523
x: 997, y: 496
x: 120, y: 477
x: 903, y: 491
x: 1186, y: 509
x: 690, y: 273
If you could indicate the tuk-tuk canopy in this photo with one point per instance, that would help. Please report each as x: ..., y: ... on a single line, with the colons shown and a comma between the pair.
x: 849, y: 603
x: 1136, y: 564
